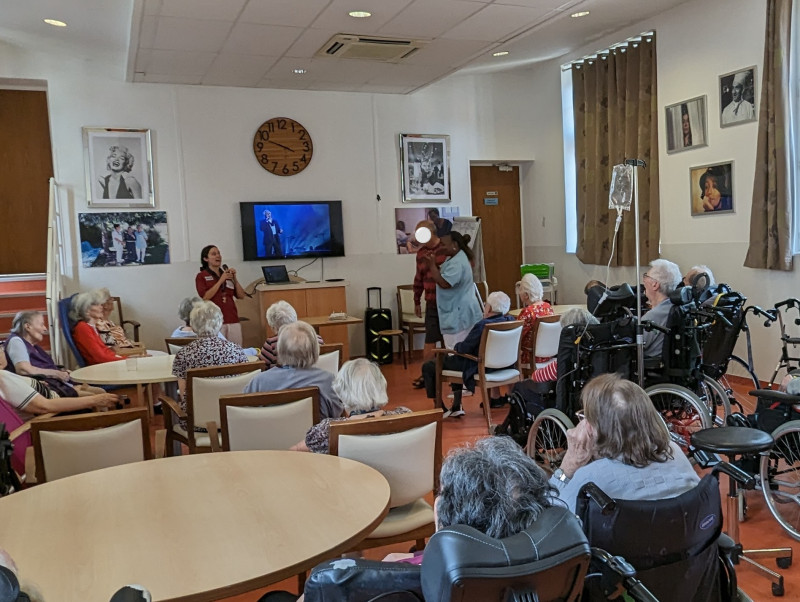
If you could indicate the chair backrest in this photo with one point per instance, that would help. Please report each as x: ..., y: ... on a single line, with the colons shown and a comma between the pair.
x: 66, y: 329
x: 500, y: 344
x: 405, y: 303
x: 330, y: 357
x: 273, y: 420
x: 406, y: 449
x: 546, y: 562
x: 174, y: 344
x: 546, y: 334
x: 204, y: 387
x: 69, y: 445
x: 677, y: 559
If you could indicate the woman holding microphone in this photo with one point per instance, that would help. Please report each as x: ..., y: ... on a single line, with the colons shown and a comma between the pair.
x: 217, y: 283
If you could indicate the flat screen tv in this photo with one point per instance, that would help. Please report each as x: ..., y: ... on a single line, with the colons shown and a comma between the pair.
x: 294, y: 229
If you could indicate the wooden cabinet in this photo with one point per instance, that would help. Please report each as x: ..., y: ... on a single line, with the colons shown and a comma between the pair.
x: 309, y: 299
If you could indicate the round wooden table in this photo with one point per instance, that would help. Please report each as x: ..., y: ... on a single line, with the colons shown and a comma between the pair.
x: 198, y: 527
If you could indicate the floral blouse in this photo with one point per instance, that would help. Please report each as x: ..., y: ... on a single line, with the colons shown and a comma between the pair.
x: 317, y: 436
x: 528, y: 317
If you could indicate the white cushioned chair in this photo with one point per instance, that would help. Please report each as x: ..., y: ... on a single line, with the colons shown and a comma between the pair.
x: 204, y: 387
x: 330, y: 357
x: 272, y: 420
x: 407, y: 450
x: 70, y: 445
x: 498, y: 363
x: 409, y: 323
x: 544, y: 343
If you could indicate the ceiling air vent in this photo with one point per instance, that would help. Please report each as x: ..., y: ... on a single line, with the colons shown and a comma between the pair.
x: 388, y: 50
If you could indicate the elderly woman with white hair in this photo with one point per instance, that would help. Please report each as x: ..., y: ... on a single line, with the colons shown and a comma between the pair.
x: 112, y: 334
x: 530, y: 294
x: 85, y: 312
x: 279, y: 314
x: 208, y: 350
x: 660, y: 280
x: 495, y: 310
x: 298, y: 352
x: 184, y: 311
x: 362, y: 389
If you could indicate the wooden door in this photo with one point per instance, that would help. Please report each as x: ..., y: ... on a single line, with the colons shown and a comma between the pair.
x: 26, y: 165
x: 495, y: 198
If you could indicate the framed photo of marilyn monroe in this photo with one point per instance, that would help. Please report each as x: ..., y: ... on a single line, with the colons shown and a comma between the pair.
x: 119, y: 167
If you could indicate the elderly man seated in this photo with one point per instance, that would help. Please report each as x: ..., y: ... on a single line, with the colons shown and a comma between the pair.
x: 659, y: 281
x: 495, y: 310
x: 298, y: 351
x: 279, y: 314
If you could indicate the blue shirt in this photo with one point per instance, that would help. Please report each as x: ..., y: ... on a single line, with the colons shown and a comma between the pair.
x: 280, y: 378
x: 458, y: 306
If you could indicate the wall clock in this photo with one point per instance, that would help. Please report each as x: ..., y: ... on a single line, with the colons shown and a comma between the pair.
x: 283, y: 146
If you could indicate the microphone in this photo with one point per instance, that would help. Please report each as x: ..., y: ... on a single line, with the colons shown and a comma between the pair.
x: 224, y: 267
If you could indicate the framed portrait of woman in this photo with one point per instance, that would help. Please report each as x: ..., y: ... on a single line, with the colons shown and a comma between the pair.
x: 686, y: 125
x: 711, y: 188
x: 425, y: 167
x: 119, y: 167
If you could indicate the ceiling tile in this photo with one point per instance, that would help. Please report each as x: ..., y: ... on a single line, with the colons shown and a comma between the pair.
x: 250, y: 38
x: 428, y: 18
x: 543, y: 4
x: 147, y: 33
x: 190, y: 34
x: 448, y: 52
x: 177, y: 62
x: 152, y: 7
x: 309, y: 42
x: 283, y: 12
x: 495, y: 22
x: 283, y: 83
x: 230, y: 69
x: 336, y: 16
x: 172, y: 79
x: 227, y: 10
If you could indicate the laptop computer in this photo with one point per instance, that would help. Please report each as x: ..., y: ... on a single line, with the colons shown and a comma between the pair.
x: 275, y: 274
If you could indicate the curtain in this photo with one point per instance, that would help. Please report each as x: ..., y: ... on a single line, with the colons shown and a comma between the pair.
x: 615, y: 108
x: 770, y: 214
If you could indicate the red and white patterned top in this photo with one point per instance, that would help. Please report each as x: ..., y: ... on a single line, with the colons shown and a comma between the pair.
x: 528, y: 316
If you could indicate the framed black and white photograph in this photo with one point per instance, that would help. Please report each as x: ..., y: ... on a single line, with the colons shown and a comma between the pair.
x: 119, y: 167
x: 425, y: 167
x: 124, y: 238
x: 711, y: 188
x: 686, y: 125
x: 737, y: 97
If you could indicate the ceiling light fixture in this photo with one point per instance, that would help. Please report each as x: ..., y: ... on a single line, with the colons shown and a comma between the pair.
x: 501, y: 53
x: 359, y: 14
x: 55, y: 22
x: 582, y: 13
x: 298, y: 71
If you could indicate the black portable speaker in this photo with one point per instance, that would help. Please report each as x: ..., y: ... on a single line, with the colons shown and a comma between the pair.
x: 379, y: 349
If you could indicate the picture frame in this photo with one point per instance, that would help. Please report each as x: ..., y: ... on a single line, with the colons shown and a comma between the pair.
x: 686, y: 124
x: 425, y: 167
x: 742, y: 84
x: 711, y: 189
x: 119, y: 167
x: 123, y: 238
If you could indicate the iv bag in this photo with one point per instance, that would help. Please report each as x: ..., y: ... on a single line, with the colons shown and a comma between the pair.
x: 621, y: 193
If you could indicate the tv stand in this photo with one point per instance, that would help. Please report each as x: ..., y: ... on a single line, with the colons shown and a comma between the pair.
x: 309, y: 299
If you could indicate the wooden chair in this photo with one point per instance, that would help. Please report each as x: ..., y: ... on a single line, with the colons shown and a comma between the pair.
x: 407, y: 450
x: 204, y: 387
x: 498, y: 363
x: 544, y: 341
x: 409, y: 323
x: 174, y: 344
x: 70, y: 445
x: 330, y: 357
x: 122, y: 321
x: 272, y: 420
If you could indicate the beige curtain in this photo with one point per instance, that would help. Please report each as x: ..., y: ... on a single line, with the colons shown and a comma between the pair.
x: 615, y: 108
x: 770, y: 214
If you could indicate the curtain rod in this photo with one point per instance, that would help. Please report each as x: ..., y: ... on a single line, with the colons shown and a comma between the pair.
x: 647, y: 36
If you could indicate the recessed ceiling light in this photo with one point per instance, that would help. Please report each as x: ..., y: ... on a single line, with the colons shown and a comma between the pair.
x: 55, y: 22
x: 501, y: 53
x: 359, y: 14
x: 582, y: 13
x: 298, y: 71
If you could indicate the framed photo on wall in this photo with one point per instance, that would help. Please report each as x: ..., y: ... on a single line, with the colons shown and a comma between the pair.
x: 425, y: 167
x: 686, y: 124
x: 737, y: 97
x: 119, y: 167
x: 711, y: 188
x: 123, y: 238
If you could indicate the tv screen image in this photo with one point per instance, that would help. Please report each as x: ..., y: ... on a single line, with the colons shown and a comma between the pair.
x: 295, y: 229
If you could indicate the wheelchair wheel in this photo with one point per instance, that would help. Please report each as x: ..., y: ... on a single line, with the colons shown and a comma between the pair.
x: 780, y: 477
x: 716, y: 398
x: 681, y: 409
x: 547, y: 439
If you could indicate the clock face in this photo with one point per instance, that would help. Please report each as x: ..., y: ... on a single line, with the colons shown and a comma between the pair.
x: 283, y: 146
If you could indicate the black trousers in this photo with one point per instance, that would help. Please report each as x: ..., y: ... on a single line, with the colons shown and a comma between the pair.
x: 451, y: 362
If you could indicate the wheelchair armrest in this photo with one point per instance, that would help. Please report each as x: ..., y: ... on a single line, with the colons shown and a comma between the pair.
x: 359, y: 580
x: 726, y: 544
x: 772, y: 395
x: 592, y: 492
x: 747, y: 481
x: 438, y: 352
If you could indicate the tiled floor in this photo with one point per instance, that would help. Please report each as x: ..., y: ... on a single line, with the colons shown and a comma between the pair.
x: 758, y: 530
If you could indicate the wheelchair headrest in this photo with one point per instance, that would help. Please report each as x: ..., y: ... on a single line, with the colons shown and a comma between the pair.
x: 603, y: 302
x: 462, y: 557
x: 681, y: 295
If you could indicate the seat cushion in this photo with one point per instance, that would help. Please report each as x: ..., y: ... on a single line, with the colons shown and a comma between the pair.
x: 200, y: 439
x: 500, y: 375
x: 452, y: 373
x: 403, y: 519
